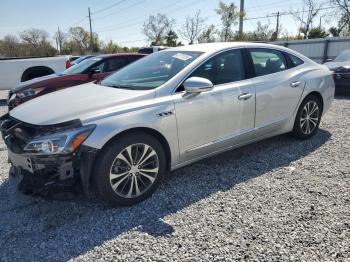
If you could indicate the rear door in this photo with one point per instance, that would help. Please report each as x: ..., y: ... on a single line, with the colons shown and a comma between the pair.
x: 222, y: 117
x: 279, y: 87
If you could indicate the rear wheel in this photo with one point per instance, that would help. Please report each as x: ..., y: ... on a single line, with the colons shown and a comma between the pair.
x: 308, y: 117
x: 130, y: 169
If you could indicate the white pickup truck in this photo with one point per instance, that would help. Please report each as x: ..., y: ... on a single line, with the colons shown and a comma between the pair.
x: 16, y: 70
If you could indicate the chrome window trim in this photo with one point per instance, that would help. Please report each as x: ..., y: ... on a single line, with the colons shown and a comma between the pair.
x: 235, y: 48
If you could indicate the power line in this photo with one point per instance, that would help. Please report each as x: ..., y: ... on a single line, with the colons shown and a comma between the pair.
x: 288, y: 13
x: 120, y: 10
x: 111, y: 27
x: 108, y: 7
x: 138, y: 21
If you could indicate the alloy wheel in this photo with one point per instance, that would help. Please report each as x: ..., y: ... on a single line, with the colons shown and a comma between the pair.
x: 134, y: 170
x: 309, y: 118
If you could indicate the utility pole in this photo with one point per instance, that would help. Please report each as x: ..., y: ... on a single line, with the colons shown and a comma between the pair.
x: 278, y: 24
x: 57, y: 45
x: 59, y: 40
x: 91, y: 37
x: 241, y: 15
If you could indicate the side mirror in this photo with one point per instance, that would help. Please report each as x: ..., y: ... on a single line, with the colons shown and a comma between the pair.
x: 196, y: 85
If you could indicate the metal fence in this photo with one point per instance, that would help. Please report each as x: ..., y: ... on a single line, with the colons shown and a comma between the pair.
x: 319, y: 49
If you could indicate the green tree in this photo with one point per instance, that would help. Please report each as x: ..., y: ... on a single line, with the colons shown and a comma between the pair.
x: 171, y: 39
x: 208, y: 35
x: 317, y: 33
x: 229, y: 15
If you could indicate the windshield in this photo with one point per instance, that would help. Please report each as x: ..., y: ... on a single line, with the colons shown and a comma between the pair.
x: 80, y: 59
x: 344, y: 56
x: 151, y: 71
x: 81, y: 67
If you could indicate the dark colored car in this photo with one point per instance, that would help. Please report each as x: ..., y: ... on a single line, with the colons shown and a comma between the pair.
x: 341, y: 68
x: 91, y: 69
x: 342, y: 80
x: 152, y: 49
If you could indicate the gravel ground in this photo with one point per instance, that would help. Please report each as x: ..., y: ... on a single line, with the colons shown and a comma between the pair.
x: 279, y: 199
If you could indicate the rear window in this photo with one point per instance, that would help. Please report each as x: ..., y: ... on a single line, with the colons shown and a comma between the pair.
x: 267, y: 61
x: 296, y: 61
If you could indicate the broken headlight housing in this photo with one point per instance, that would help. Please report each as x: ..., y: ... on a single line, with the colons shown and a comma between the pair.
x: 29, y: 92
x: 64, y: 142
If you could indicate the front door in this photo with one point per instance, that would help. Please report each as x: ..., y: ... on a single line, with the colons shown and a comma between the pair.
x: 217, y: 119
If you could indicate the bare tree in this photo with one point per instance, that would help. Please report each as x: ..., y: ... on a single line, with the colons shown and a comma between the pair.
x: 80, y: 39
x: 60, y: 38
x: 343, y: 11
x: 229, y: 15
x: 343, y: 5
x: 157, y: 27
x: 37, y: 39
x: 192, y: 28
x: 311, y: 8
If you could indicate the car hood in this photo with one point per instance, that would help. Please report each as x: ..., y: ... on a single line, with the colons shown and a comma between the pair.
x: 335, y: 65
x: 79, y: 102
x: 24, y: 85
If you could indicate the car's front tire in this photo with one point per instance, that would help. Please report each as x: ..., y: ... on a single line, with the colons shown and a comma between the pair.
x: 308, y: 117
x: 129, y: 169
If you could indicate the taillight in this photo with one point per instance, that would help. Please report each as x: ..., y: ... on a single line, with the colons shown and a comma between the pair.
x: 68, y: 64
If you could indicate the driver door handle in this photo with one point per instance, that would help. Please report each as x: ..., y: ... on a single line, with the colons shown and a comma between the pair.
x: 295, y: 84
x: 245, y: 96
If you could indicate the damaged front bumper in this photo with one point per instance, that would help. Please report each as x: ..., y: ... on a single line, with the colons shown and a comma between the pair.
x: 45, y: 174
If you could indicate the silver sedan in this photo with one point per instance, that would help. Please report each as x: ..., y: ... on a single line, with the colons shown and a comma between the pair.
x: 165, y: 111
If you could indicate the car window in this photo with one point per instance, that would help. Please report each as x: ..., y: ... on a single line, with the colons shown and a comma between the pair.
x: 343, y: 57
x: 98, y: 67
x: 115, y: 63
x: 224, y: 68
x: 83, y: 66
x: 296, y: 61
x: 134, y: 58
x: 267, y: 61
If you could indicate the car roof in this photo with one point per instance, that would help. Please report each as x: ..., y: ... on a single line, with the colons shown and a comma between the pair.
x: 214, y: 47
x: 211, y: 48
x: 120, y: 54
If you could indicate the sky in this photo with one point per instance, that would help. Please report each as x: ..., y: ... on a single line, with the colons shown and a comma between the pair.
x: 121, y: 20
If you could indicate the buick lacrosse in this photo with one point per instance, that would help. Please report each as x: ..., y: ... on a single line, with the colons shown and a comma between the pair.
x: 121, y: 136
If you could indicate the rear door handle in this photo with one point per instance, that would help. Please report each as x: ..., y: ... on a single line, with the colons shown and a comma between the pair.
x: 295, y: 84
x: 245, y: 96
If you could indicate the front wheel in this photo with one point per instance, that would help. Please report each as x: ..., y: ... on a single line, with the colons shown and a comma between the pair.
x: 130, y: 169
x: 308, y: 117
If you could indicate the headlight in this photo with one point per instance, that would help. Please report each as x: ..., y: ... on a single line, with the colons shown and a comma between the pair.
x: 59, y: 143
x: 29, y: 92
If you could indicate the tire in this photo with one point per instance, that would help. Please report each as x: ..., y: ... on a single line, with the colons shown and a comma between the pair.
x: 308, y: 117
x: 122, y: 183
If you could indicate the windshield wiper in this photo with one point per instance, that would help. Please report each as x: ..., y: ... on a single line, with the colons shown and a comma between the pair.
x: 120, y: 86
